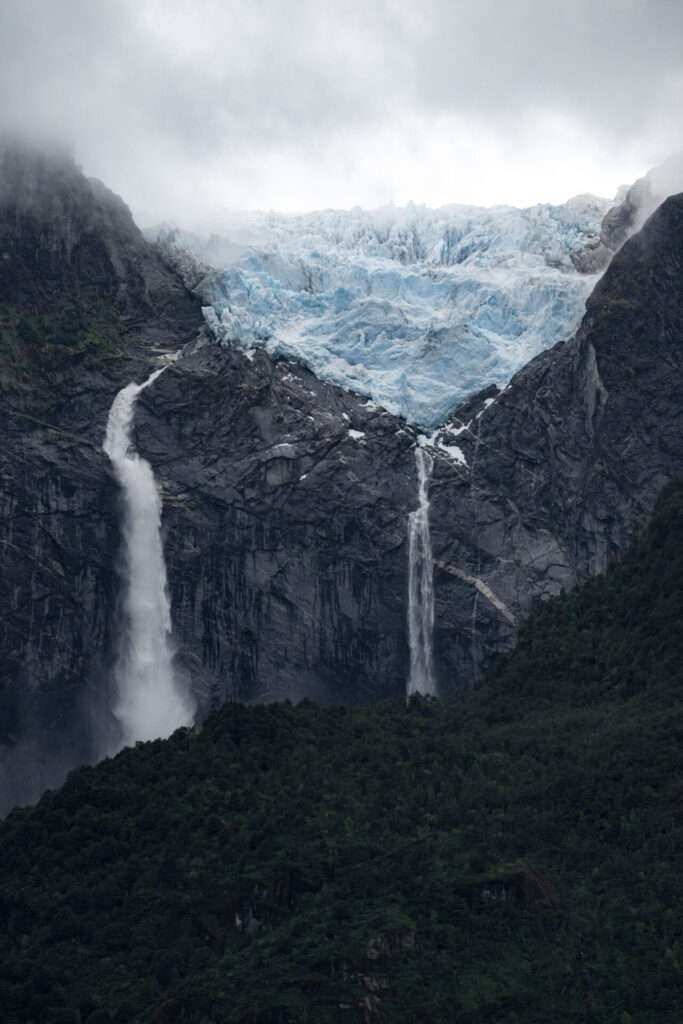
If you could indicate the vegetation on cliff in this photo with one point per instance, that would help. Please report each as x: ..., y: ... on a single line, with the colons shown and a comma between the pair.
x: 30, y: 344
x: 512, y: 855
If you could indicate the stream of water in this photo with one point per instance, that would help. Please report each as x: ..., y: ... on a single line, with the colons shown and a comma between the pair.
x: 151, y: 700
x: 420, y: 585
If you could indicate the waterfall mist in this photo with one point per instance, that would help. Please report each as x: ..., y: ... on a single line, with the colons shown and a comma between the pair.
x: 420, y: 585
x: 151, y: 700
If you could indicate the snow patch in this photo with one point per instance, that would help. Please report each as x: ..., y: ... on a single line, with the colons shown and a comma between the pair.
x: 454, y: 453
x: 282, y: 451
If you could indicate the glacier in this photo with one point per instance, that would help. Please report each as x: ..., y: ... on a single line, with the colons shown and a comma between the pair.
x: 416, y: 308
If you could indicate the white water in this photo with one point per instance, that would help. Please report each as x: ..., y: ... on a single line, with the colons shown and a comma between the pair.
x: 420, y: 585
x: 151, y: 700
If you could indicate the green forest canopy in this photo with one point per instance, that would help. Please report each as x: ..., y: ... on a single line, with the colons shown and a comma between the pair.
x: 510, y: 856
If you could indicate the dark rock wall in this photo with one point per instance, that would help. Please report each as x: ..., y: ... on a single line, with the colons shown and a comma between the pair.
x: 569, y: 458
x: 285, y: 533
x: 59, y: 538
x: 64, y: 237
x: 66, y: 243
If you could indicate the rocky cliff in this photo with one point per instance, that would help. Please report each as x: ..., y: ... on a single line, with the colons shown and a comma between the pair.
x: 84, y: 302
x: 567, y: 461
x: 305, y: 526
x: 636, y: 203
x: 285, y: 499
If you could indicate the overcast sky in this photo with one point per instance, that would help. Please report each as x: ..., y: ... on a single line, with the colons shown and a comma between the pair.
x: 305, y: 104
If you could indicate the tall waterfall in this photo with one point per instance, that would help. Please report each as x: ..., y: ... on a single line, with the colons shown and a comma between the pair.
x: 151, y: 700
x: 420, y: 585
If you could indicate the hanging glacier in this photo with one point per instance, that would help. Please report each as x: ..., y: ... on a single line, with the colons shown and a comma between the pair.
x: 418, y: 309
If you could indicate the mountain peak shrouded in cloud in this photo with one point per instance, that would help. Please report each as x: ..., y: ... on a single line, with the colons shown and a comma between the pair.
x: 664, y: 180
x: 181, y: 108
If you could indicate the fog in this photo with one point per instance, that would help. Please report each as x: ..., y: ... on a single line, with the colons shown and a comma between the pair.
x: 185, y: 108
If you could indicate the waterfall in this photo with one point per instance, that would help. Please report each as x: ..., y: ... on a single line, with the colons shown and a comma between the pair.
x: 420, y: 585
x: 151, y: 700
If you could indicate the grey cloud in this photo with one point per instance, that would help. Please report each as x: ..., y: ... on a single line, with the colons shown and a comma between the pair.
x: 159, y: 96
x: 613, y: 63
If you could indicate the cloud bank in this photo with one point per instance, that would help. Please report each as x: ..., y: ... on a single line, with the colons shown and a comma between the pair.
x: 295, y: 105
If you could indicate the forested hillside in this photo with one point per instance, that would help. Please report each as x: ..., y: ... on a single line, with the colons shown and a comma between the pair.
x: 510, y: 856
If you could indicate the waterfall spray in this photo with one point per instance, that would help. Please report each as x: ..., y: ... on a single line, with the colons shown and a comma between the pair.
x: 151, y: 701
x: 420, y: 585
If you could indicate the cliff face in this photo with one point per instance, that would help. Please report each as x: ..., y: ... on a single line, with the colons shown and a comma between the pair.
x: 637, y: 203
x: 68, y: 239
x: 286, y: 503
x: 83, y: 302
x: 287, y: 540
x: 569, y: 458
x: 286, y: 500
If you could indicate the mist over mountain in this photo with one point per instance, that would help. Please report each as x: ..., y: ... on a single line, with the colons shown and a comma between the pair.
x: 418, y: 309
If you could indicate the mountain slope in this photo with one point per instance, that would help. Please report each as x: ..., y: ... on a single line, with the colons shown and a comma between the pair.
x: 567, y: 459
x: 512, y: 855
x: 285, y: 499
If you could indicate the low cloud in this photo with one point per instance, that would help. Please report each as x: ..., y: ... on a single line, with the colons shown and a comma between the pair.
x: 182, y: 107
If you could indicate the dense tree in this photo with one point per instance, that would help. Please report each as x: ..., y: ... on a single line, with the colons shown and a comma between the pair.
x: 510, y: 856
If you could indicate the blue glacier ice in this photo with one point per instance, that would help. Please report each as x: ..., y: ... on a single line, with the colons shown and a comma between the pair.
x: 416, y: 308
